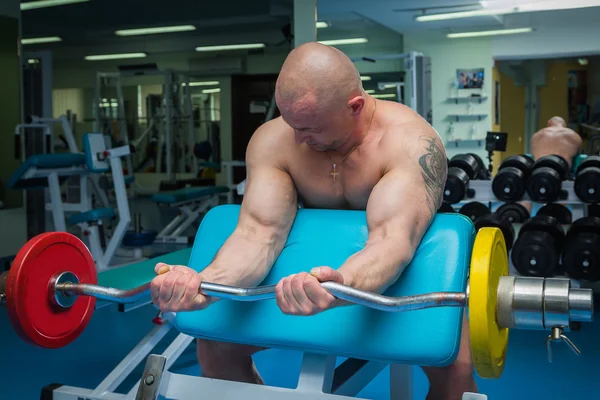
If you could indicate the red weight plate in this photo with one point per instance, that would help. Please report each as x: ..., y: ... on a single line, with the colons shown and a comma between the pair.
x: 34, y: 317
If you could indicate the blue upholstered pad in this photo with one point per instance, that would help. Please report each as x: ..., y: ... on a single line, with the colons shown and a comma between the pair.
x: 329, y: 237
x: 188, y: 194
x: 92, y: 215
x: 45, y: 162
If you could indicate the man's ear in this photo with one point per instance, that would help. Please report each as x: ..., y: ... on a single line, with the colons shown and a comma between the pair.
x: 356, y: 104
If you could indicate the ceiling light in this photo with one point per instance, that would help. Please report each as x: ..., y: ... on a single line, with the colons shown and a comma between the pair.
x: 31, y: 5
x: 489, y: 33
x: 151, y: 31
x: 231, y: 47
x: 501, y: 7
x: 322, y: 24
x: 384, y: 96
x: 205, y: 83
x: 365, y: 78
x: 121, y: 56
x: 370, y: 91
x: 216, y: 90
x: 343, y: 41
x: 48, y: 39
x: 463, y: 14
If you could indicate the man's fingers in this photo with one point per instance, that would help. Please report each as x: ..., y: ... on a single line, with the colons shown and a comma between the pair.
x: 161, y: 268
x: 289, y: 295
x: 280, y: 298
x: 315, y: 292
x: 306, y: 306
x: 166, y: 289
x: 326, y: 274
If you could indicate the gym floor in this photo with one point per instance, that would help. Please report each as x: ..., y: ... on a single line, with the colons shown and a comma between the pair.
x: 110, y: 335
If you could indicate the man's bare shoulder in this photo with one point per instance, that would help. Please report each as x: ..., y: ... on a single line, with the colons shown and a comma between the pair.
x: 270, y: 142
x: 407, y: 136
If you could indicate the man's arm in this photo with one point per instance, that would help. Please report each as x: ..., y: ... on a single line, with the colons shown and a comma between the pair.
x: 268, y: 210
x: 400, y: 209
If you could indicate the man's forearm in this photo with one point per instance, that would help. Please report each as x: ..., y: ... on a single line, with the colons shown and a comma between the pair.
x: 242, y: 261
x: 377, y: 266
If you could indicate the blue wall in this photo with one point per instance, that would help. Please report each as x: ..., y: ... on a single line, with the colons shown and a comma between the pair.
x: 110, y: 335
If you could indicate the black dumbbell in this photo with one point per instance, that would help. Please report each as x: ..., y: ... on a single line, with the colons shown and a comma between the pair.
x: 446, y: 208
x: 558, y: 211
x: 511, y: 178
x: 537, y: 250
x: 484, y: 173
x: 461, y: 169
x: 544, y: 184
x: 513, y: 212
x: 587, y: 180
x: 581, y: 254
x: 496, y: 221
x: 474, y: 210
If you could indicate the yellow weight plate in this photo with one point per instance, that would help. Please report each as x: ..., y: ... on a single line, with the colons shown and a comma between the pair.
x: 489, y: 262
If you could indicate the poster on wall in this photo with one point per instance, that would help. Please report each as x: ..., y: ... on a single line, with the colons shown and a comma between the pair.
x: 470, y: 78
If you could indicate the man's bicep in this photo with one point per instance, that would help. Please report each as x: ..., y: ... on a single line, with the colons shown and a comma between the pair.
x: 406, y: 199
x: 270, y: 202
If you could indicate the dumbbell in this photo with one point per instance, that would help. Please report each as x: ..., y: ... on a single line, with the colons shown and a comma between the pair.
x: 544, y: 184
x: 510, y: 181
x: 474, y: 210
x: 484, y: 173
x: 496, y: 221
x: 446, y: 208
x: 558, y: 211
x: 538, y: 247
x: 581, y: 254
x: 587, y: 180
x: 513, y: 212
x: 461, y: 169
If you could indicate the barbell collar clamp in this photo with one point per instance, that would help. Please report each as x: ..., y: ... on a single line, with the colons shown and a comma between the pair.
x: 557, y: 335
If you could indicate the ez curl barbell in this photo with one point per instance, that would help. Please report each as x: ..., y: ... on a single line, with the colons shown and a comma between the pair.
x: 50, y: 304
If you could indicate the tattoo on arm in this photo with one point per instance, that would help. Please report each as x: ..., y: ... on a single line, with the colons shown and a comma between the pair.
x: 434, y: 169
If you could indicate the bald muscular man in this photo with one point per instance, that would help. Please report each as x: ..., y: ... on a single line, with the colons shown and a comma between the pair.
x: 557, y: 139
x: 334, y: 147
x: 554, y: 139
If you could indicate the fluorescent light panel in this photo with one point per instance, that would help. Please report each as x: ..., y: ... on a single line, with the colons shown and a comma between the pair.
x: 152, y: 31
x: 502, y: 7
x: 216, y: 90
x: 322, y: 24
x: 205, y: 83
x: 489, y: 33
x: 365, y: 78
x: 48, y: 3
x: 49, y: 39
x: 384, y: 96
x: 344, y: 41
x: 231, y: 47
x: 101, y: 57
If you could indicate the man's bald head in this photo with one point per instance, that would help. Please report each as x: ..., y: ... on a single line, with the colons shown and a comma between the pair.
x: 320, y: 95
x: 314, y: 74
x: 557, y: 121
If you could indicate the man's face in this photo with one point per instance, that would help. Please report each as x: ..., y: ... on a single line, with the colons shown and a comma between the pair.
x: 320, y: 129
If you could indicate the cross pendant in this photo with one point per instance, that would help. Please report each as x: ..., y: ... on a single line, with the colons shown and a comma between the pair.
x: 334, y: 174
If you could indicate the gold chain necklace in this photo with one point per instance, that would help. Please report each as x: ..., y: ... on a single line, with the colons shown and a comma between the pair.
x: 334, y: 172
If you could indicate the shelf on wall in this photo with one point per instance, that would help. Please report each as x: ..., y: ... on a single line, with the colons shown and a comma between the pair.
x: 478, y: 99
x: 457, y: 117
x: 466, y: 142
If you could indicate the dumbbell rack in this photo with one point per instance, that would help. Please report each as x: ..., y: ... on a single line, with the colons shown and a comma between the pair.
x: 481, y: 191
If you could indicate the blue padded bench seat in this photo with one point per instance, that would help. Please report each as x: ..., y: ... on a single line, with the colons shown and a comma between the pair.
x: 188, y: 194
x: 43, y: 161
x: 91, y: 215
x: 329, y: 237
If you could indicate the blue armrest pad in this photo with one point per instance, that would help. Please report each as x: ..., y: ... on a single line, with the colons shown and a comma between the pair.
x: 43, y: 161
x: 329, y: 237
x: 91, y: 215
x: 188, y: 194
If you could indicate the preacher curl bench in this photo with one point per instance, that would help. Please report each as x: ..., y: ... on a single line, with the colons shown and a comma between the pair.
x: 417, y: 321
